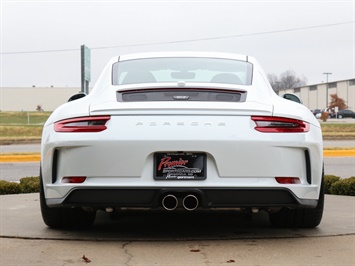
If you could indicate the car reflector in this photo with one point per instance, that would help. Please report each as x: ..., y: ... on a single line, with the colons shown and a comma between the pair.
x: 82, y: 124
x: 288, y: 180
x: 271, y: 124
x: 74, y: 179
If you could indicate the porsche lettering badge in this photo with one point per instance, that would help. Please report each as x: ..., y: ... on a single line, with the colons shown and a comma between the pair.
x: 167, y: 123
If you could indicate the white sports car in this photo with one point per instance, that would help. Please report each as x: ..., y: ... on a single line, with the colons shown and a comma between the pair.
x: 184, y: 131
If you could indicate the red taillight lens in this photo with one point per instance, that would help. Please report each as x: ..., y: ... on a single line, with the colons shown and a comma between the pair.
x: 270, y: 124
x: 288, y: 180
x: 74, y: 179
x: 82, y: 124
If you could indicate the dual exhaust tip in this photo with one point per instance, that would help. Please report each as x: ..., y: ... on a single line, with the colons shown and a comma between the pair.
x: 170, y: 202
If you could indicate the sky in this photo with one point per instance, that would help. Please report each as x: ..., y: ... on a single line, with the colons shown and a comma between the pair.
x: 40, y: 40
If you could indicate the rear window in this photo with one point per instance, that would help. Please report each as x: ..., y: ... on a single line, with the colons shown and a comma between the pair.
x: 188, y: 69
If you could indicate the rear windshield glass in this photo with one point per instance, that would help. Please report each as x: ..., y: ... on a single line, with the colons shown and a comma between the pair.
x: 188, y: 69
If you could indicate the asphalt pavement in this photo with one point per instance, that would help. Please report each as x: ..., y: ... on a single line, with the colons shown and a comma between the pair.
x: 21, y: 148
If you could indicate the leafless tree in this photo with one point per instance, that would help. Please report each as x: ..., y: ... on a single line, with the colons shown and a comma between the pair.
x: 286, y: 80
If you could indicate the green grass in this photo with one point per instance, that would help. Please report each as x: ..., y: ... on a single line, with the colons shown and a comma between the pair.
x: 21, y: 126
x: 23, y: 118
x: 20, y: 131
x: 338, y: 131
x: 346, y: 128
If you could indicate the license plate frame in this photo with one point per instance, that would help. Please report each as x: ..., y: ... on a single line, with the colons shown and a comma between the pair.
x: 180, y: 166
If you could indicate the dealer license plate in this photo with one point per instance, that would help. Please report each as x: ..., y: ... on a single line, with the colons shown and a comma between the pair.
x: 180, y: 166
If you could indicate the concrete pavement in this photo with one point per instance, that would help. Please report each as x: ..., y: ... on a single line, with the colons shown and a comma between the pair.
x: 338, y: 250
x: 175, y: 239
x: 21, y: 218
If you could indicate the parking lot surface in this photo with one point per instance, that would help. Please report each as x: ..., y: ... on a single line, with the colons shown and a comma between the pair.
x: 175, y: 239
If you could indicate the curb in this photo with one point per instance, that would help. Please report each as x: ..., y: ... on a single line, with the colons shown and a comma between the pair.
x: 37, y: 157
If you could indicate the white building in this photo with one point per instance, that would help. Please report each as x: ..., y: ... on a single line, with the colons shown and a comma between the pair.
x: 27, y: 99
x: 317, y: 96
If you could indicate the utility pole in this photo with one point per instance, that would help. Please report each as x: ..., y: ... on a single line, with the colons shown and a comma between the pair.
x: 327, y: 87
x: 85, y: 69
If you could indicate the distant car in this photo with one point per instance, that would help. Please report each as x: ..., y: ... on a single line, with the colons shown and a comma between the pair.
x: 316, y: 111
x: 182, y: 132
x: 345, y: 114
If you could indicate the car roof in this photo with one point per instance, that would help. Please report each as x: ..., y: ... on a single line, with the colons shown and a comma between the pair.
x: 185, y: 54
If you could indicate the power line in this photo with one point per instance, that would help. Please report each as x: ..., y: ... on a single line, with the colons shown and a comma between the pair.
x: 41, y: 51
x: 229, y: 36
x: 185, y: 41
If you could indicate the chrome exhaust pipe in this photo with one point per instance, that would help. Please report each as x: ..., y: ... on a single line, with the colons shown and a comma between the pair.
x: 169, y: 202
x: 190, y: 202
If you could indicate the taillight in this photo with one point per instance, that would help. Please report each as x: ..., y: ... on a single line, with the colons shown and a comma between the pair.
x: 82, y: 124
x: 288, y: 180
x: 272, y: 124
x: 73, y: 179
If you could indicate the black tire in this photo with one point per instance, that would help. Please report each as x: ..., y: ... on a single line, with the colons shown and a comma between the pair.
x: 300, y: 218
x: 340, y: 116
x: 64, y: 217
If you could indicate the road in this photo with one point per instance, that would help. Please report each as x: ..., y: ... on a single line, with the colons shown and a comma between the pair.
x: 20, y: 148
x: 343, y: 167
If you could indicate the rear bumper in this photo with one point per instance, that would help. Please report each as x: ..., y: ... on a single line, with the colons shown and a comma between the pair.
x: 208, y: 198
